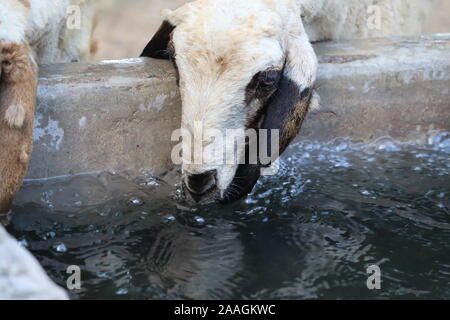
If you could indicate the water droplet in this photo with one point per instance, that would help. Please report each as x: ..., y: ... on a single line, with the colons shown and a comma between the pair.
x: 341, y: 146
x: 441, y: 141
x: 51, y: 234
x: 387, y: 145
x: 421, y: 155
x: 170, y: 219
x: 78, y: 203
x: 342, y: 164
x: 61, y: 248
x: 365, y: 193
x: 153, y: 183
x: 265, y: 220
x: 136, y: 201
x: 122, y: 291
x: 250, y: 200
x: 199, y: 220
x: 46, y: 198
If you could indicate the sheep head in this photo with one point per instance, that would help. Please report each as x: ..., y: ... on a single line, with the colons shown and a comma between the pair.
x: 241, y: 65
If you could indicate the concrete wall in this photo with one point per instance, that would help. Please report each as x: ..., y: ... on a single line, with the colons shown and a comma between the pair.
x: 95, y: 116
x: 119, y: 115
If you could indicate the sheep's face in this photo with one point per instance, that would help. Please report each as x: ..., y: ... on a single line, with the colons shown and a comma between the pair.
x: 238, y: 68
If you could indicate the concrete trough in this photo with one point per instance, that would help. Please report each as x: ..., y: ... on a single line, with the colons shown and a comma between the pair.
x: 119, y: 115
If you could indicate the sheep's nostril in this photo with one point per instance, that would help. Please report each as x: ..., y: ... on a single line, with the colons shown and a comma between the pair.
x: 201, y: 183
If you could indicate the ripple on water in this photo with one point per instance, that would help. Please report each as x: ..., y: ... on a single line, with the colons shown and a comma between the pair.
x: 309, y: 232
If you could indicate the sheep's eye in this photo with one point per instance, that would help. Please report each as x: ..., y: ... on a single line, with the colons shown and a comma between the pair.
x: 6, y: 63
x: 268, y: 80
x: 263, y: 84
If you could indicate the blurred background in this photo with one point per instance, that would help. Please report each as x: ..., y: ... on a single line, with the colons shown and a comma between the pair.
x: 124, y: 27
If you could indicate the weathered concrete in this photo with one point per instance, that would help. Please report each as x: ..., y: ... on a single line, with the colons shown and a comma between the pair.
x: 119, y: 115
x: 21, y: 276
x: 116, y: 115
x: 396, y: 87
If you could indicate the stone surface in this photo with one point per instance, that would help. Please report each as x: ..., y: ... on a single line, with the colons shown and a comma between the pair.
x: 116, y: 115
x: 119, y: 115
x: 396, y: 87
x: 21, y: 276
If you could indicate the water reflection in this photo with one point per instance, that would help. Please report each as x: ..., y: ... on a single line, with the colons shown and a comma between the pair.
x: 310, y: 232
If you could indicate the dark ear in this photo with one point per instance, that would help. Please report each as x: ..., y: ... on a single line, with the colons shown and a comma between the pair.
x: 285, y: 112
x: 157, y: 47
x: 288, y: 107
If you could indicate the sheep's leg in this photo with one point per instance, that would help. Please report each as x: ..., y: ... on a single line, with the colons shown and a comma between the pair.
x: 18, y: 83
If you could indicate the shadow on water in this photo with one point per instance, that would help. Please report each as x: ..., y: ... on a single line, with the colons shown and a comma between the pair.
x: 310, y: 232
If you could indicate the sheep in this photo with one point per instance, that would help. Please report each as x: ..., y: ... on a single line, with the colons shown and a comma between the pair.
x: 250, y: 65
x: 31, y: 32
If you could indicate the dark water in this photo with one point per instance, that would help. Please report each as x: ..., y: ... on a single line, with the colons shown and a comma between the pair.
x: 310, y: 232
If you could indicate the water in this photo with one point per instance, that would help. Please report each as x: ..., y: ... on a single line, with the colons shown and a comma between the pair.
x: 311, y: 232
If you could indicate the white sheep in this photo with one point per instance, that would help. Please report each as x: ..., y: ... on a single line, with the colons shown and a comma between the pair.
x: 57, y: 31
x: 250, y: 65
x: 31, y: 32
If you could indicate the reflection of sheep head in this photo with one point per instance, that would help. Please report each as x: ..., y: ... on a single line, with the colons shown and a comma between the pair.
x: 212, y: 264
x: 250, y: 65
x: 197, y: 267
x: 29, y: 30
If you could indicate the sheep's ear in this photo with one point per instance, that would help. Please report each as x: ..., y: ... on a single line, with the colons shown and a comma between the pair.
x: 289, y: 105
x: 285, y: 112
x: 157, y: 47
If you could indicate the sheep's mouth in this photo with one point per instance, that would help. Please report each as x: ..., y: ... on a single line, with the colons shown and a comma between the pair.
x: 243, y: 182
x: 209, y: 196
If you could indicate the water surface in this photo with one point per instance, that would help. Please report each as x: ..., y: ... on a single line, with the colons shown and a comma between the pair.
x: 310, y: 232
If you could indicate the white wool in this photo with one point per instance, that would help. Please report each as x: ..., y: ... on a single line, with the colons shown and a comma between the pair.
x: 15, y: 115
x: 13, y: 21
x: 221, y: 44
x: 43, y: 24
